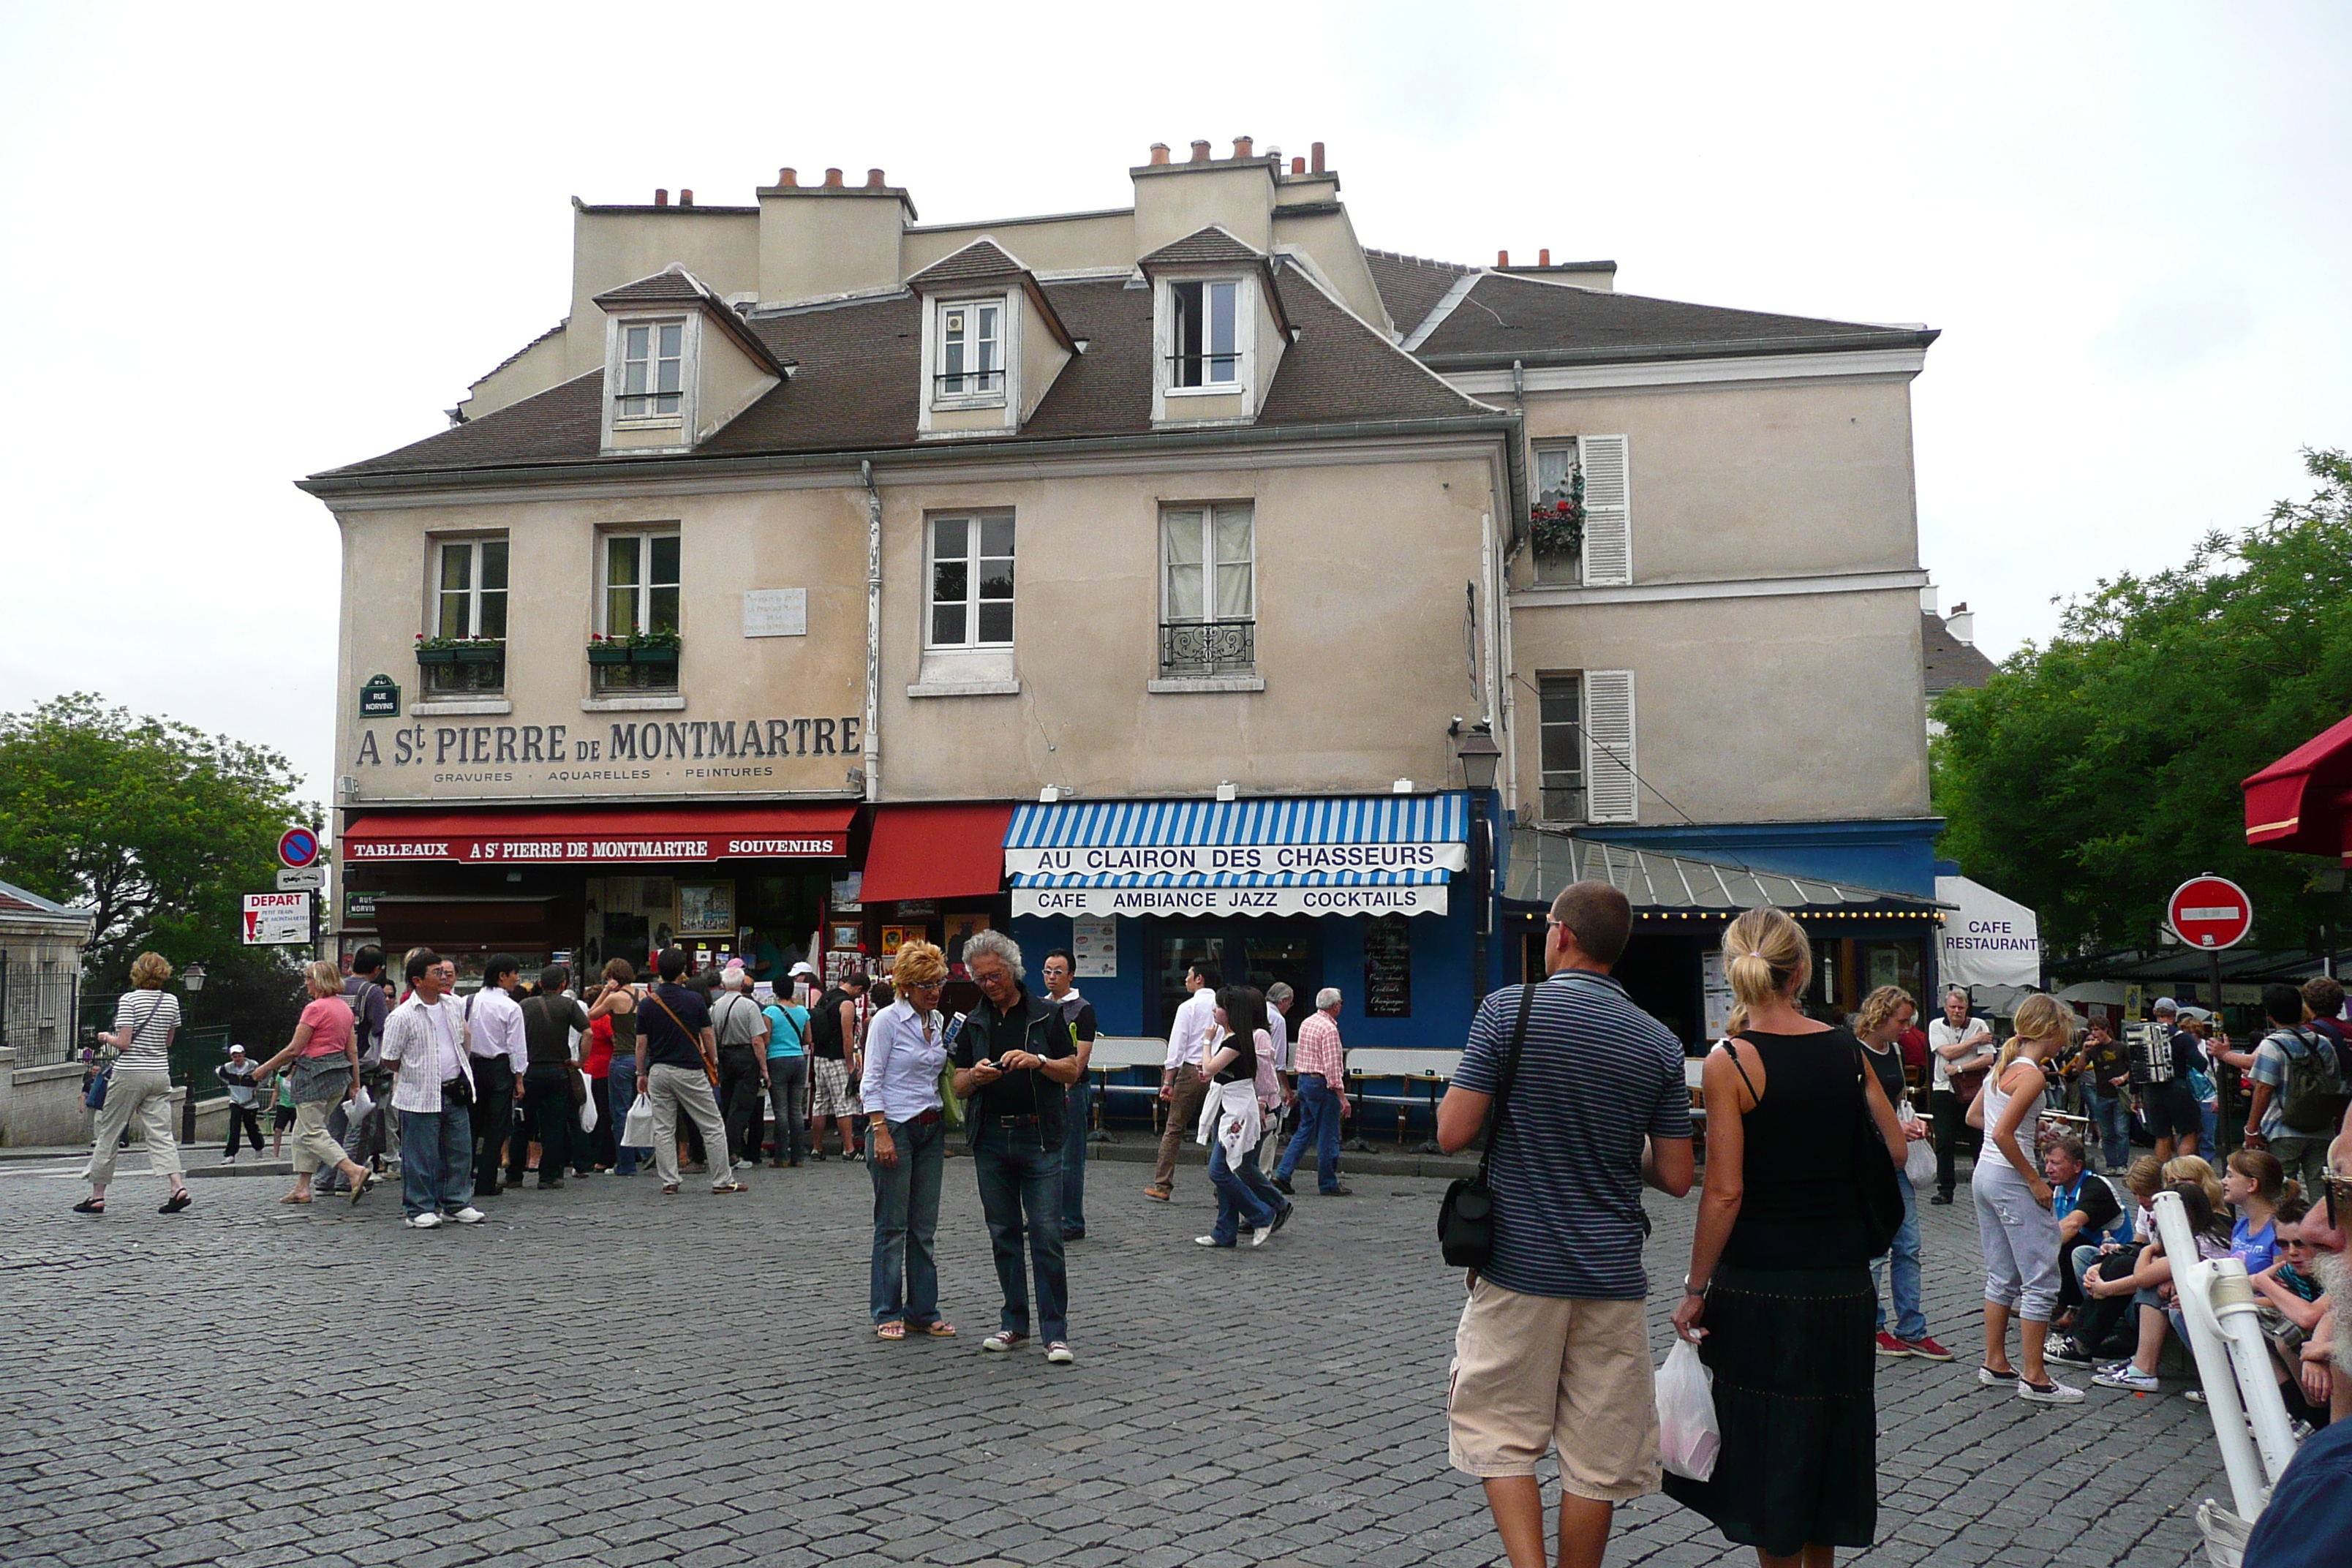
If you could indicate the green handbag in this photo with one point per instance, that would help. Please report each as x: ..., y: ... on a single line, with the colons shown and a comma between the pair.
x: 951, y: 1110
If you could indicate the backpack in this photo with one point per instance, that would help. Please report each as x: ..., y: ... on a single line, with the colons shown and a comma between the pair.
x: 2312, y: 1097
x: 825, y: 1024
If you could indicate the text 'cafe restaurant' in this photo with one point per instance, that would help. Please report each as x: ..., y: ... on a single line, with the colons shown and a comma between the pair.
x: 1360, y: 892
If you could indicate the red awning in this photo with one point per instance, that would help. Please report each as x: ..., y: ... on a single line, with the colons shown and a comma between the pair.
x: 2302, y: 802
x: 639, y: 834
x: 935, y: 852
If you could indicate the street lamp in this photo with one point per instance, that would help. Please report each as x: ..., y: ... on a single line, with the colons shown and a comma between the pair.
x: 1480, y: 759
x: 192, y: 977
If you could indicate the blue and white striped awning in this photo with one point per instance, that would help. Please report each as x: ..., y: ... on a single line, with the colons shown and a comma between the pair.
x: 1316, y: 854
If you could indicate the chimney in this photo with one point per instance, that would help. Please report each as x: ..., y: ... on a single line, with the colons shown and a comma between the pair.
x: 1159, y: 152
x: 661, y: 198
x: 1200, y: 152
x: 1317, y: 163
x: 1543, y: 258
x: 832, y: 179
x: 1241, y: 145
x: 1502, y: 258
x: 874, y: 180
x: 1299, y: 165
x: 1962, y: 622
x: 788, y: 178
x: 685, y: 199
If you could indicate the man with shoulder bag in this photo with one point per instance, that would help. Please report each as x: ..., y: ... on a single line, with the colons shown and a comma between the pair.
x: 742, y: 1029
x: 1582, y: 1099
x: 1960, y: 1053
x: 2298, y: 1091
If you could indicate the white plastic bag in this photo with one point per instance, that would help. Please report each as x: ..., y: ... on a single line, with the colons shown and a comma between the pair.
x: 1687, y: 1435
x: 362, y: 1107
x: 637, y: 1127
x: 1919, y: 1163
x: 588, y: 1113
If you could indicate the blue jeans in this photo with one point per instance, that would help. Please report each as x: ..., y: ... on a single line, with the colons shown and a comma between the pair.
x: 904, y: 1282
x: 621, y: 1088
x: 1237, y: 1200
x: 2115, y: 1127
x: 1319, y: 1125
x: 1074, y: 1160
x: 1901, y: 1263
x: 436, y: 1161
x: 1020, y: 1175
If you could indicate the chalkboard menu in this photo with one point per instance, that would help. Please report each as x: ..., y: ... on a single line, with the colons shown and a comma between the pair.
x: 1388, y: 968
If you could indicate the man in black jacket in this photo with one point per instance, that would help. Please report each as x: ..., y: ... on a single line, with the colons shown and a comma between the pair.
x: 1017, y: 1060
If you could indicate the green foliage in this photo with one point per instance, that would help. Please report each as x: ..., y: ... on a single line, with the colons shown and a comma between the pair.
x: 2090, y: 777
x: 160, y: 830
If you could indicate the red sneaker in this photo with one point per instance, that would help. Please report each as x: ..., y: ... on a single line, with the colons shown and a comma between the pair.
x: 1925, y: 1349
x: 1889, y: 1346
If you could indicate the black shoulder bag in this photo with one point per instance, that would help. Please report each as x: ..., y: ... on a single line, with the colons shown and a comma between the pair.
x: 1874, y: 1175
x: 1466, y: 1222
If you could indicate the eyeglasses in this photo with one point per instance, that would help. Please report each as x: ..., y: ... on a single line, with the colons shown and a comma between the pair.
x: 2339, y: 1199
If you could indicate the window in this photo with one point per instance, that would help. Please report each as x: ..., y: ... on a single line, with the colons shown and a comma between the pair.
x: 653, y: 355
x: 1560, y: 718
x: 971, y: 581
x: 472, y: 592
x: 1558, y: 479
x: 1203, y: 336
x: 1208, y: 622
x: 639, y: 604
x: 971, y: 349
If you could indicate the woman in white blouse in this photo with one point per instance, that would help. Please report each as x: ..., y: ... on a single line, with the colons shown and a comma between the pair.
x: 138, y: 1084
x: 906, y: 1145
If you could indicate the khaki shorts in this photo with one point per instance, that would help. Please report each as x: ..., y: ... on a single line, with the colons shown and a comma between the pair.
x: 1534, y: 1371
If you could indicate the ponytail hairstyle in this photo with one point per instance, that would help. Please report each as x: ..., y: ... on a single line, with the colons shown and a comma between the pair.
x: 1765, y: 954
x: 2040, y: 1016
x: 2262, y: 1167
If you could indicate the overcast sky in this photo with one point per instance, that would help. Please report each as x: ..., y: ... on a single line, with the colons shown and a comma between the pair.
x: 247, y: 243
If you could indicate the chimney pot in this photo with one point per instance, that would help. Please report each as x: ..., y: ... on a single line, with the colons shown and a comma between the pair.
x: 788, y: 178
x: 1159, y: 152
x: 1299, y: 165
x: 1241, y: 145
x: 1316, y: 164
x: 832, y: 179
x: 1200, y: 152
x: 685, y: 199
x: 1543, y: 258
x: 1502, y: 258
x: 874, y: 180
x: 661, y: 198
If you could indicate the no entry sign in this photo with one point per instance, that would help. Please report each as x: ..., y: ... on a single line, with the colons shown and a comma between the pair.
x: 2210, y: 912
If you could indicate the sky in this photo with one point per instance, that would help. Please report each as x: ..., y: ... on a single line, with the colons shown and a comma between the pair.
x: 249, y: 243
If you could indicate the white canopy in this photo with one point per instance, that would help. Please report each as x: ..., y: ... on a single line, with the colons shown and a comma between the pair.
x: 1989, y: 939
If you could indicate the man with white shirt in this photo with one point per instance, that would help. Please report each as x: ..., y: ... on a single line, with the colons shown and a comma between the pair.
x: 424, y: 1046
x: 1181, y: 1083
x: 501, y: 1055
x: 1957, y: 1044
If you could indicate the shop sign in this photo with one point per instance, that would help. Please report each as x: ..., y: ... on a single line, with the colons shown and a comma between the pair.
x: 1418, y: 898
x: 751, y: 754
x: 1234, y: 859
x: 593, y: 851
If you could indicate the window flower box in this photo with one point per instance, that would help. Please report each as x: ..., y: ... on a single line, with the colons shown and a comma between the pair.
x: 608, y: 653
x: 637, y: 661
x: 655, y: 655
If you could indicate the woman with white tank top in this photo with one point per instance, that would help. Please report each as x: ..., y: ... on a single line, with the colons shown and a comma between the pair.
x: 2015, y: 1225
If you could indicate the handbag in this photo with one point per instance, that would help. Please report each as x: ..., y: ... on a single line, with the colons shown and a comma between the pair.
x: 93, y: 1093
x: 1874, y: 1176
x: 1466, y: 1220
x: 953, y: 1111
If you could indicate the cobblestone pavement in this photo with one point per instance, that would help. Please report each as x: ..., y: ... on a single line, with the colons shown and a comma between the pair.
x: 607, y: 1375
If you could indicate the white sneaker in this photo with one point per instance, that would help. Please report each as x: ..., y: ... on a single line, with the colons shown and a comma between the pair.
x: 427, y: 1221
x: 2123, y: 1374
x: 1060, y: 1354
x: 2052, y: 1392
x: 469, y: 1215
x: 228, y: 1159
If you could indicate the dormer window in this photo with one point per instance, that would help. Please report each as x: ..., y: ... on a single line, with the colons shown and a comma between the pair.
x: 653, y: 370
x: 1204, y: 336
x: 971, y: 349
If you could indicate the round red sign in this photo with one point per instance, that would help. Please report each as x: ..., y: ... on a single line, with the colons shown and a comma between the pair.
x: 298, y: 848
x: 2210, y: 912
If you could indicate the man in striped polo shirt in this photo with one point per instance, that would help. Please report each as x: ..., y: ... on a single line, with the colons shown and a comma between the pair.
x: 1551, y: 1351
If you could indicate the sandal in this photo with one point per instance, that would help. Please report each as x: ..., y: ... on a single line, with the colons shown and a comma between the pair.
x: 90, y: 1205
x: 730, y: 1187
x: 176, y: 1201
x: 942, y: 1330
x: 893, y: 1330
x: 360, y: 1188
x: 669, y: 1189
x: 294, y: 1198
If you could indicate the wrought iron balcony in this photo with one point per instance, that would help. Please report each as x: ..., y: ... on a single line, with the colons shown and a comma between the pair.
x: 1208, y: 648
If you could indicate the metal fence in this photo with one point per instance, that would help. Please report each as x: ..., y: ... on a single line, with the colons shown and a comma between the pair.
x: 39, y: 1010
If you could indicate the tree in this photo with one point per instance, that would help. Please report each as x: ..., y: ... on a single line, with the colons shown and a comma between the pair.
x: 159, y: 830
x: 2088, y: 778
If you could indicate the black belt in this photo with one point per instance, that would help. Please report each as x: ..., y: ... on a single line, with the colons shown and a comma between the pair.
x: 1011, y: 1120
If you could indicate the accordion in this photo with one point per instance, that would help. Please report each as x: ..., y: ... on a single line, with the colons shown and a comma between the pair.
x: 2150, y: 1049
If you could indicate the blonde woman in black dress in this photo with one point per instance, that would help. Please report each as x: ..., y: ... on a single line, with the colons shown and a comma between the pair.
x: 1778, y: 1297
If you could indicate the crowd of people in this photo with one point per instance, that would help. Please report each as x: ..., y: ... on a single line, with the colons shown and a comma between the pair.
x: 1808, y: 1202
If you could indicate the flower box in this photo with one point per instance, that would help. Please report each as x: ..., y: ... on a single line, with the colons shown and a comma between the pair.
x: 436, y: 656
x: 488, y: 653
x: 608, y: 653
x: 652, y: 655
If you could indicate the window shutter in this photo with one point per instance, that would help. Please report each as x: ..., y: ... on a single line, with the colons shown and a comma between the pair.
x: 1608, y: 526
x: 1611, y: 791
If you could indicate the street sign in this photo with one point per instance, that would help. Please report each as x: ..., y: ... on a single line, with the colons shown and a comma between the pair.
x: 277, y: 920
x: 379, y: 698
x: 298, y: 846
x: 2210, y: 912
x: 359, y: 908
x: 309, y: 880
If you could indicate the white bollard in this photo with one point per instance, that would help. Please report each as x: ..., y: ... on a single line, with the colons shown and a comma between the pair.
x: 2235, y: 1376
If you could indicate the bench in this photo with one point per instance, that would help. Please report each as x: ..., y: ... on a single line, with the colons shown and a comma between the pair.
x: 1421, y: 1076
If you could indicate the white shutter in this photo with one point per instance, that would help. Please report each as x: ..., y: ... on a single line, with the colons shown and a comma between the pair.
x: 1608, y: 525
x: 1611, y: 791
